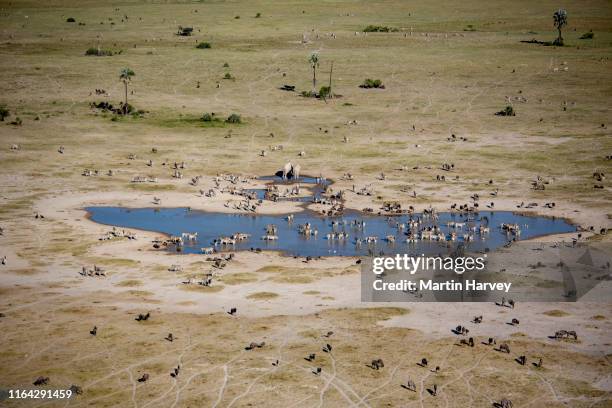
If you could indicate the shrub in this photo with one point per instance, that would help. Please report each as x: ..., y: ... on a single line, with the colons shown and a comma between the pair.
x: 203, y: 45
x: 96, y: 52
x: 209, y: 117
x: 379, y: 29
x: 70, y: 20
x: 534, y: 41
x: 507, y: 111
x: 324, y: 92
x: 125, y: 108
x: 102, y: 105
x: 237, y: 17
x: 4, y: 113
x: 234, y: 118
x: 587, y: 36
x: 122, y: 109
x: 184, y: 31
x: 308, y: 94
x: 225, y: 65
x: 258, y: 15
x: 372, y: 83
x: 17, y: 121
x: 228, y: 76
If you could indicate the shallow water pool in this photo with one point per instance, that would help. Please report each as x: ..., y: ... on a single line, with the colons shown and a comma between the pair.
x: 210, y: 225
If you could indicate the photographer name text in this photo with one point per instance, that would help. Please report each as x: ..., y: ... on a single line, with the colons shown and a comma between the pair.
x: 431, y: 285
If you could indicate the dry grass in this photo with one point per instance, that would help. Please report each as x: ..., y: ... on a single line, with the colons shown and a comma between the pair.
x: 206, y: 354
x: 129, y: 283
x: 239, y: 278
x: 556, y: 313
x: 202, y: 288
x: 262, y: 295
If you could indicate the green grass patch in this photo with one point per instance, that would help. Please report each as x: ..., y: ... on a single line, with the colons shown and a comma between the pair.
x: 152, y: 187
x: 379, y: 29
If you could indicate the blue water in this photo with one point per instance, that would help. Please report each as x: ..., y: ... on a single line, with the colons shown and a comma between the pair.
x: 209, y: 226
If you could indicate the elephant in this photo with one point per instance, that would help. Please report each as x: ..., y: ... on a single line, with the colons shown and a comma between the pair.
x: 296, y: 172
x: 286, y: 169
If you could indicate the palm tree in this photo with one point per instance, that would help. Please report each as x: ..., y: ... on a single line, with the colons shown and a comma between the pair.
x: 126, y: 75
x: 560, y: 21
x: 314, y: 63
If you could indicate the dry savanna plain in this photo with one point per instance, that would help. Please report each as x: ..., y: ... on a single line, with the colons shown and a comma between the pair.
x: 446, y: 66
